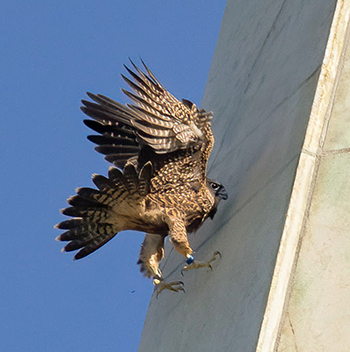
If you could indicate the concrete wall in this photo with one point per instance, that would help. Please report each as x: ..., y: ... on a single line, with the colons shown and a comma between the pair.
x: 316, y: 315
x: 261, y: 88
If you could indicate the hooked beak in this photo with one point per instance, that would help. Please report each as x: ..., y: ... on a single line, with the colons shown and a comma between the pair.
x: 222, y: 193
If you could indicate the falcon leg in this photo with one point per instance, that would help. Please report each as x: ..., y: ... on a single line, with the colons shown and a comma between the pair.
x: 152, y: 251
x: 178, y: 237
x: 195, y: 264
x: 178, y: 233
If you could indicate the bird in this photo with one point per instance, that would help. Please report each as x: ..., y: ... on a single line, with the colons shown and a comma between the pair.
x: 159, y: 149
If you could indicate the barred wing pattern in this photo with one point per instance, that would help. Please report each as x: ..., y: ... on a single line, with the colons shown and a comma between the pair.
x: 162, y: 146
x: 156, y: 119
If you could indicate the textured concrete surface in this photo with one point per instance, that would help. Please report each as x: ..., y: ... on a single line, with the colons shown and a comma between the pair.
x: 317, y: 315
x: 261, y: 87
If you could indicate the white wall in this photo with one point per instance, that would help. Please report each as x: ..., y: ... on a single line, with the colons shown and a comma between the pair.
x: 261, y: 87
x: 317, y: 310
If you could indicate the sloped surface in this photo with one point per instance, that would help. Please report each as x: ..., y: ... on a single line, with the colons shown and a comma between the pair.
x: 261, y: 87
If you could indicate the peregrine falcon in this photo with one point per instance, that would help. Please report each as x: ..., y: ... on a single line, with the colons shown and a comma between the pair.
x: 159, y: 147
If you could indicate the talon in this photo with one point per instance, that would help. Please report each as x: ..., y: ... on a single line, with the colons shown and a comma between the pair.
x: 175, y: 286
x: 217, y: 253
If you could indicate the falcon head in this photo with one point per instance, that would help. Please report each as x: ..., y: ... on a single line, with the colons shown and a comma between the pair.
x: 219, y: 192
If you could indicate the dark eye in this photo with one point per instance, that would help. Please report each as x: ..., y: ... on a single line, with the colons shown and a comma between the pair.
x: 215, y: 186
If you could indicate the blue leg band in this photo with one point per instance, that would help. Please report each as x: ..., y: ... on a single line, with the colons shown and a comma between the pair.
x: 190, y: 259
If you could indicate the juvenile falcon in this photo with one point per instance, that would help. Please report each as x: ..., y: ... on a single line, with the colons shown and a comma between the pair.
x: 160, y: 149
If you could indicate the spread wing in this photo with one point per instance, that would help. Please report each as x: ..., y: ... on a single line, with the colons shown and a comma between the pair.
x: 155, y: 119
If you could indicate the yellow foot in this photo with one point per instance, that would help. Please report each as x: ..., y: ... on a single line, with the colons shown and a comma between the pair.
x: 197, y: 264
x: 174, y: 286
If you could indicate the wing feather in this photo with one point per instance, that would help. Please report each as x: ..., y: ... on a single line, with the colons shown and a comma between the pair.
x: 155, y: 119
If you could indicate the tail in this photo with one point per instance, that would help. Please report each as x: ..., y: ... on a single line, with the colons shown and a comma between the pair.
x: 95, y: 212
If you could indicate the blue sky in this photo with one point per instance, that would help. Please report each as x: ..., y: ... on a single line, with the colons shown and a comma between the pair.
x: 52, y: 53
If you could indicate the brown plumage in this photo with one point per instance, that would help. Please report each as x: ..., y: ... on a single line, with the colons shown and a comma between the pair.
x: 162, y: 146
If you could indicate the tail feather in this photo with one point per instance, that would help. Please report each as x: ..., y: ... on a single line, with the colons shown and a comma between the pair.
x: 145, y: 178
x: 87, y: 241
x: 70, y: 224
x: 79, y: 201
x: 87, y: 197
x: 103, y: 183
x: 82, y: 230
x: 92, y: 213
x: 97, y: 213
x: 112, y: 193
x: 115, y: 175
x: 131, y: 179
x: 92, y: 246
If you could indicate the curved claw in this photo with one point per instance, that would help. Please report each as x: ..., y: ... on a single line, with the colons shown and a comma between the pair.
x: 175, y: 286
x: 217, y: 253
